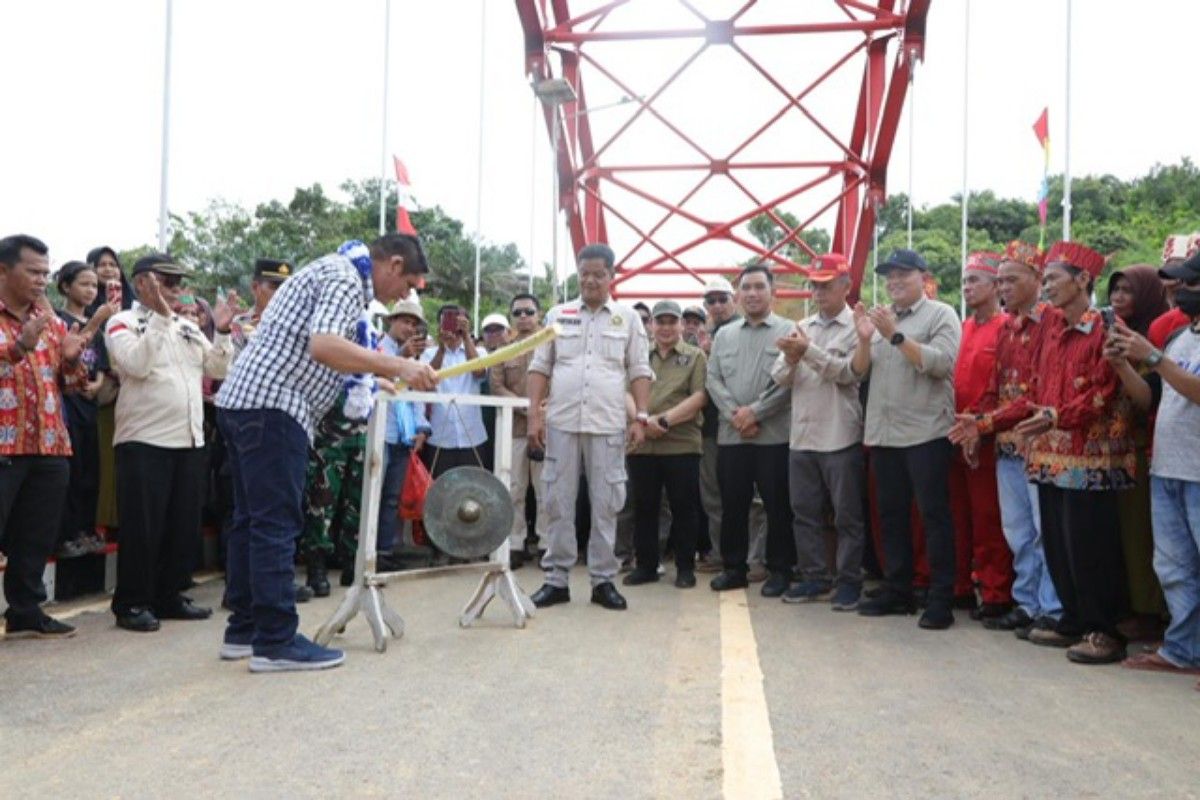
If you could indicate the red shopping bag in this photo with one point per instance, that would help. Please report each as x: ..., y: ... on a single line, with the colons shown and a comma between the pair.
x: 412, y: 495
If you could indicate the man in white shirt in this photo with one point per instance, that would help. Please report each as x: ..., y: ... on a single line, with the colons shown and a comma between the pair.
x: 458, y: 433
x: 161, y: 359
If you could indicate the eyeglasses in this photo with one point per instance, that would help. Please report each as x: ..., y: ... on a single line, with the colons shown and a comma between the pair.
x: 170, y: 281
x: 524, y: 312
x: 716, y: 299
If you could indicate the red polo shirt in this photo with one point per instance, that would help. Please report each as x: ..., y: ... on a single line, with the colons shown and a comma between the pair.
x: 976, y: 362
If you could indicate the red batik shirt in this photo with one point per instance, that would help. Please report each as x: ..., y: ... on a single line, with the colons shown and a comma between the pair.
x: 31, y: 415
x: 1091, y: 445
x: 1007, y: 399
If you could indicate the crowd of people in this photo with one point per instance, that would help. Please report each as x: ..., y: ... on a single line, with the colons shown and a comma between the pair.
x: 1033, y: 464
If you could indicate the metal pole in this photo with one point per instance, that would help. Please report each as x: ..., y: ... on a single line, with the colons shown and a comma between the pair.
x: 966, y: 97
x: 554, y: 136
x: 163, y: 217
x: 1066, y: 203
x: 479, y: 164
x: 532, y: 191
x: 875, y: 256
x: 912, y: 112
x: 383, y: 136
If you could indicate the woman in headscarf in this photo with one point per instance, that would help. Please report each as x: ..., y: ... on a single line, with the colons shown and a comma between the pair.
x: 1138, y: 297
x: 109, y: 276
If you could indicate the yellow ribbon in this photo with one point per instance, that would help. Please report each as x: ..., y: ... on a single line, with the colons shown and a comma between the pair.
x: 506, y: 353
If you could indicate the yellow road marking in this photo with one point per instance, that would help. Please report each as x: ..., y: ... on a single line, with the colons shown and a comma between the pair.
x: 747, y: 744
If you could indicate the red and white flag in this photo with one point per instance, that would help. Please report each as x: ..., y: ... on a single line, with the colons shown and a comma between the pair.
x: 404, y: 199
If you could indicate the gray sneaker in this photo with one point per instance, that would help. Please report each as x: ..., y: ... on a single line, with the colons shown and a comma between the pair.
x: 846, y: 597
x: 807, y: 592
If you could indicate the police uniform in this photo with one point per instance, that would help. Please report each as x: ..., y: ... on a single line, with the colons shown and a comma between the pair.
x: 590, y: 363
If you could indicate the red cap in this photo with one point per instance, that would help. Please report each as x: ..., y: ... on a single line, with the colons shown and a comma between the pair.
x: 1078, y: 256
x: 983, y: 262
x: 1024, y: 253
x: 827, y: 267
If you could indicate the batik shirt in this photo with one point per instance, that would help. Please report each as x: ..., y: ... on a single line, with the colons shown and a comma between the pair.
x: 1007, y: 399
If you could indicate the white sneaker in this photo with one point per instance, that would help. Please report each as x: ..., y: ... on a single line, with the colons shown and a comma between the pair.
x: 235, y: 652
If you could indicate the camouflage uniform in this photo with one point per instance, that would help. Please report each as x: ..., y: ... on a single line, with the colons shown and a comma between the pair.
x: 333, y: 486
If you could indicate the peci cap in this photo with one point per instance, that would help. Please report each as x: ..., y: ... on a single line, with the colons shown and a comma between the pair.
x: 664, y: 308
x: 272, y: 269
x: 494, y: 319
x: 902, y: 259
x: 158, y: 262
x: 1076, y: 255
x: 718, y: 285
x: 828, y: 266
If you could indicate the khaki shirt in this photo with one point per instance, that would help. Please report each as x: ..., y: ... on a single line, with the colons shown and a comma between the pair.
x: 589, y: 364
x: 739, y: 374
x: 908, y: 406
x: 676, y: 377
x: 508, y: 380
x: 827, y: 415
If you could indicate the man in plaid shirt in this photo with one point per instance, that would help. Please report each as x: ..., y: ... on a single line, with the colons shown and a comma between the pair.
x: 287, y: 378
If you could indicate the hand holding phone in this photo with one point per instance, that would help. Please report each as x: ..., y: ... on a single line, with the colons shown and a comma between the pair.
x: 112, y: 292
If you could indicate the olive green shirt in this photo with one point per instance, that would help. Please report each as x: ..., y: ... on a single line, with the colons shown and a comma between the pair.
x: 676, y: 377
x: 739, y: 374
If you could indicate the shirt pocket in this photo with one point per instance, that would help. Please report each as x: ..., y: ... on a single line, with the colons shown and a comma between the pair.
x: 569, y: 343
x: 613, y: 345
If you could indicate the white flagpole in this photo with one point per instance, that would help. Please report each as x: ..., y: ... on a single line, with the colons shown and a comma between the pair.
x: 912, y: 113
x: 1067, y: 141
x: 163, y: 218
x: 479, y: 164
x: 532, y: 190
x: 966, y: 95
x: 383, y: 136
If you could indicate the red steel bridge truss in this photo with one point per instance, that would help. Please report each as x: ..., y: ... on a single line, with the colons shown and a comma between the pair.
x: 792, y: 104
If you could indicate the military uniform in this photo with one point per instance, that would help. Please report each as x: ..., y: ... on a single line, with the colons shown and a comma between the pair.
x: 590, y: 364
x: 333, y: 486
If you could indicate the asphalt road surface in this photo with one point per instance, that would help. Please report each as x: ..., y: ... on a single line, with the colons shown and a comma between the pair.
x: 686, y: 695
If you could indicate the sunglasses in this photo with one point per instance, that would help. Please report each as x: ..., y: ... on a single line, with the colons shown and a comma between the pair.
x: 524, y: 312
x: 716, y: 299
x: 170, y: 281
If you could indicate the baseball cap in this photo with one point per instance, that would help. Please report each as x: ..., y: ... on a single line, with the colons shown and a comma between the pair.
x: 408, y: 308
x: 695, y: 311
x: 494, y: 319
x: 828, y: 266
x: 666, y: 308
x: 902, y: 259
x: 718, y: 284
x: 1188, y: 270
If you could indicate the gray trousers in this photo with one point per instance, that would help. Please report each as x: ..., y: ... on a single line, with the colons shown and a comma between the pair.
x: 602, y: 459
x: 818, y: 481
x: 710, y: 499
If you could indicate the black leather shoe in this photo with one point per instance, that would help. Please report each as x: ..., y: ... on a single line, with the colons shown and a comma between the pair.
x: 347, y: 577
x: 317, y: 576
x: 605, y: 594
x: 181, y: 608
x: 776, y: 585
x: 551, y: 595
x: 304, y: 592
x: 937, y: 618
x: 885, y: 603
x: 1016, y: 618
x: 640, y: 576
x: 965, y: 602
x: 986, y: 611
x: 516, y: 559
x: 729, y: 579
x: 140, y: 620
x: 685, y: 579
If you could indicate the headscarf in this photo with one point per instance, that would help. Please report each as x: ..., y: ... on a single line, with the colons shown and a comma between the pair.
x: 209, y: 328
x: 127, y: 293
x: 1149, y: 295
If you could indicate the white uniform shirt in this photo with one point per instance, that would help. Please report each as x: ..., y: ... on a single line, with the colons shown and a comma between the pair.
x: 591, y: 361
x: 161, y: 362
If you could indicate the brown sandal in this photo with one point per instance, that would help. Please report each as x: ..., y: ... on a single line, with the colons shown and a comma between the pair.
x: 1153, y: 662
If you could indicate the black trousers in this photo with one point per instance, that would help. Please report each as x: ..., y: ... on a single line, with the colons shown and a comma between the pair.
x: 447, y: 458
x: 1081, y: 535
x: 32, y: 489
x: 83, y: 492
x: 680, y: 475
x: 921, y: 472
x: 158, y: 500
x: 740, y: 469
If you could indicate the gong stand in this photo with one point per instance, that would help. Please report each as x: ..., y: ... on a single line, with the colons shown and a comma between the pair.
x: 366, y: 593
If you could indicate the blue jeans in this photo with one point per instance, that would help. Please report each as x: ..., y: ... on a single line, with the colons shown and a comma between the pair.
x: 393, y: 482
x: 1175, y: 509
x: 1033, y: 589
x: 268, y: 453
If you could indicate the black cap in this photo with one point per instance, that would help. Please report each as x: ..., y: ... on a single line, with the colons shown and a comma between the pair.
x: 902, y: 259
x: 1186, y: 270
x: 158, y: 262
x: 272, y: 269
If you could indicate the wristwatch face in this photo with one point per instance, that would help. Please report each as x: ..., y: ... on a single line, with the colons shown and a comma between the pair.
x: 897, y: 337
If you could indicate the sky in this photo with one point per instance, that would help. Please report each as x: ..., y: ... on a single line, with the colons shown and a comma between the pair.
x: 268, y: 95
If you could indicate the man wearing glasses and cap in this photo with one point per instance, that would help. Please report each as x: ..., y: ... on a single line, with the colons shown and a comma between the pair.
x: 161, y: 359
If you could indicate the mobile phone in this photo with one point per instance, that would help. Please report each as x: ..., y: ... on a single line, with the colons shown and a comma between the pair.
x: 449, y: 322
x: 113, y: 291
x: 1108, y: 317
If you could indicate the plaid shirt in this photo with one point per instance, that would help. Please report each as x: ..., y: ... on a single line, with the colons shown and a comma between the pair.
x: 275, y: 370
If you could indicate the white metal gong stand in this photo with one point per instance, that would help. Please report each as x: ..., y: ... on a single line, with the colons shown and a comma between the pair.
x: 366, y: 594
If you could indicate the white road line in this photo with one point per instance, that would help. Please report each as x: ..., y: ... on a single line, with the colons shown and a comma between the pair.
x: 747, y: 744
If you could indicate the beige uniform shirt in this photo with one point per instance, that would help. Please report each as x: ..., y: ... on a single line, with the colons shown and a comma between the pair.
x: 589, y: 364
x: 508, y: 380
x: 739, y: 374
x: 908, y: 406
x: 161, y: 363
x: 826, y: 413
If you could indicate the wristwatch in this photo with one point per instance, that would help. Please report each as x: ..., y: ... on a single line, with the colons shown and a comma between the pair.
x: 897, y: 338
x: 642, y: 417
x: 1154, y: 359
x: 664, y: 423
